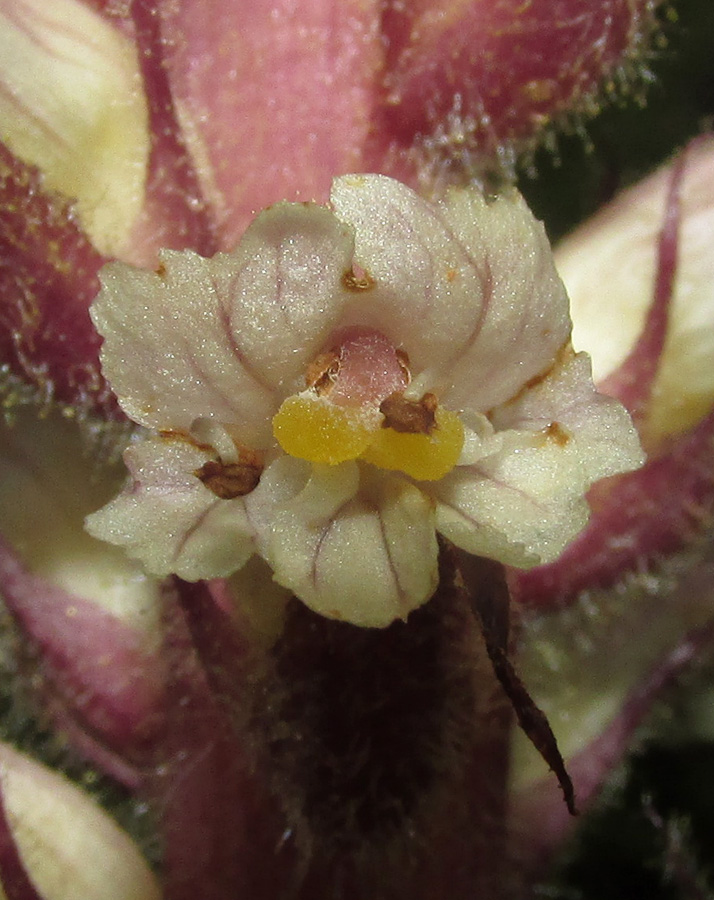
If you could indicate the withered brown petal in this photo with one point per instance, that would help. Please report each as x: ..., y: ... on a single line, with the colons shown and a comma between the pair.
x: 229, y: 480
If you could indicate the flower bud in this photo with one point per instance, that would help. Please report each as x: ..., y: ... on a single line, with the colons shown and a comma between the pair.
x: 57, y: 844
x: 610, y: 266
x: 91, y: 615
x: 71, y: 104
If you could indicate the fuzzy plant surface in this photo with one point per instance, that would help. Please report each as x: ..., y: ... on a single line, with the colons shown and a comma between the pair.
x: 353, y: 544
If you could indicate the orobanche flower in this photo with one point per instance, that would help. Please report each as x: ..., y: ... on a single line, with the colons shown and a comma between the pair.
x: 344, y: 384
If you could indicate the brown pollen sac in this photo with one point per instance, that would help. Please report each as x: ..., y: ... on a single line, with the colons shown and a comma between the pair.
x: 323, y: 370
x: 554, y: 431
x: 358, y: 280
x: 229, y: 480
x: 409, y: 416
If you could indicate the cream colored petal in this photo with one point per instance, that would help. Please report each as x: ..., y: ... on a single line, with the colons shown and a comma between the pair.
x: 565, y: 409
x: 427, y: 289
x: 170, y: 354
x: 222, y: 337
x: 521, y: 506
x: 521, y: 497
x: 72, y: 104
x: 70, y: 848
x: 168, y: 520
x: 467, y: 288
x: 282, y: 289
x: 352, y: 545
x: 523, y: 320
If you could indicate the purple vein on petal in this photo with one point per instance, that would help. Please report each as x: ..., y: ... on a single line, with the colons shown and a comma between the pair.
x: 40, y: 124
x: 229, y: 333
x: 323, y: 536
x: 487, y: 283
x: 487, y: 476
x: 401, y: 593
x: 194, y: 528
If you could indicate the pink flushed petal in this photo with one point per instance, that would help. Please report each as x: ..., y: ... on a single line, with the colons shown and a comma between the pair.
x: 47, y: 281
x: 93, y: 665
x: 274, y: 98
x: 502, y: 70
x: 637, y: 519
x: 539, y: 822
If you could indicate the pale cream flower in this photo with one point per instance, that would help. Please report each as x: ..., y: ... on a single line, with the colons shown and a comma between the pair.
x: 346, y: 383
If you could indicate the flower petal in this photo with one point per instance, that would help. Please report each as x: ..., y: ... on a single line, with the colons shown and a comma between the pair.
x: 215, y: 337
x: 523, y: 321
x: 422, y: 275
x: 351, y: 544
x: 467, y: 287
x: 169, y: 520
x: 524, y: 502
x: 51, y: 476
x: 520, y: 506
x: 168, y: 352
x: 565, y: 407
x: 282, y: 289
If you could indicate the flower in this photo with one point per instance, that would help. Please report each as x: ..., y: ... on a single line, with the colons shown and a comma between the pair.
x: 344, y: 384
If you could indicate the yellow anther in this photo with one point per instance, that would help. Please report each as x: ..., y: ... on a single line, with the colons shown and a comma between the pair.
x: 314, y: 429
x: 426, y: 457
